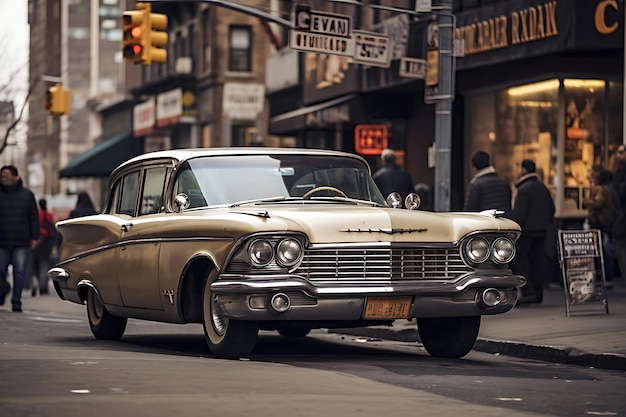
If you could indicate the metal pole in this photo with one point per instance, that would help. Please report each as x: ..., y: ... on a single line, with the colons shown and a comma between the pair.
x: 443, y: 106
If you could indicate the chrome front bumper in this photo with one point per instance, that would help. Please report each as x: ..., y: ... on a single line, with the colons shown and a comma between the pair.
x: 345, y: 301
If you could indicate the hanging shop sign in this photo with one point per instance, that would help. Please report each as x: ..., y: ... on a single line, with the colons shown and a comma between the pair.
x: 243, y: 101
x: 169, y: 107
x: 143, y: 118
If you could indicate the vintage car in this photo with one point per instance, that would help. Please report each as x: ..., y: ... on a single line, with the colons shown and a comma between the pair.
x: 248, y: 239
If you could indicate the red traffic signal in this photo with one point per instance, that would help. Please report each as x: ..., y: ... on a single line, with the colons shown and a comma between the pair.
x: 134, y: 35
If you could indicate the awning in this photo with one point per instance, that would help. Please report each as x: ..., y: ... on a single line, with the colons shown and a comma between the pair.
x: 102, y: 159
x: 311, y: 116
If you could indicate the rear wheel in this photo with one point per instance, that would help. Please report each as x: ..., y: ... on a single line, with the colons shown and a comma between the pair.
x: 448, y: 337
x: 103, y: 325
x: 226, y: 338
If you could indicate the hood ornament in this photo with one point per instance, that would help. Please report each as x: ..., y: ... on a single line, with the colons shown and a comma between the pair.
x: 386, y: 231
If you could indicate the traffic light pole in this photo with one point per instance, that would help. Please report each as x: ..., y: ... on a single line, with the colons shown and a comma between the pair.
x: 443, y: 106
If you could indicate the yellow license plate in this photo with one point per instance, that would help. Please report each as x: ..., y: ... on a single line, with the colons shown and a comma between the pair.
x: 387, y: 308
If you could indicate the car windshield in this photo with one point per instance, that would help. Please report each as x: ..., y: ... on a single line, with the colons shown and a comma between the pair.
x: 224, y: 180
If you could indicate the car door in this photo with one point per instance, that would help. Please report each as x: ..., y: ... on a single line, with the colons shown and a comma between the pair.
x: 142, y: 193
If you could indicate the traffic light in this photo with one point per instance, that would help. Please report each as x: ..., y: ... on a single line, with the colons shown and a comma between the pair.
x: 58, y: 100
x: 143, y: 38
x: 134, y: 38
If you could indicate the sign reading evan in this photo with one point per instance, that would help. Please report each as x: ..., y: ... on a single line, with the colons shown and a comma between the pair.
x: 323, y: 32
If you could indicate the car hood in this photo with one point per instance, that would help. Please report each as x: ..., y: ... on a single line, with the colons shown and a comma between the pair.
x: 333, y: 223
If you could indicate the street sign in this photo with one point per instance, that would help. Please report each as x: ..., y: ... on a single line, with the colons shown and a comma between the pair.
x: 372, y: 48
x: 431, y: 83
x: 316, y: 31
x: 413, y: 68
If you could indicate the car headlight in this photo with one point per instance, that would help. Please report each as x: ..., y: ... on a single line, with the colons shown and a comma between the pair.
x: 503, y: 250
x: 289, y: 252
x: 261, y: 252
x: 477, y: 250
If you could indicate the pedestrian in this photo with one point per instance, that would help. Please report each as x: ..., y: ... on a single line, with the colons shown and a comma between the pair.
x: 391, y: 177
x: 40, y: 255
x: 619, y: 229
x: 533, y: 210
x: 84, y: 206
x: 602, y: 214
x: 487, y: 190
x: 19, y: 233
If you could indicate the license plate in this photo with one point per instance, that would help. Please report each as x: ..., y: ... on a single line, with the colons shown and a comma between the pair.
x: 387, y: 308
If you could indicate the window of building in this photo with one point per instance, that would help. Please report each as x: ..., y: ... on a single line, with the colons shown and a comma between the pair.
x: 527, y: 122
x: 240, y: 49
x: 206, y: 41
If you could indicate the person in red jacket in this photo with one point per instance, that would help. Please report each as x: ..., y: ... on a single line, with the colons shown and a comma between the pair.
x: 41, y: 254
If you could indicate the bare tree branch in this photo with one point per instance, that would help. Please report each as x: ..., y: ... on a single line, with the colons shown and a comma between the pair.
x: 19, y: 117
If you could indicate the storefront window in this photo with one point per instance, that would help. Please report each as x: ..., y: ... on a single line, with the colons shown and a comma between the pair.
x: 525, y: 122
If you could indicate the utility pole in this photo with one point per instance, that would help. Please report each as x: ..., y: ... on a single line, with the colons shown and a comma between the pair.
x: 443, y: 105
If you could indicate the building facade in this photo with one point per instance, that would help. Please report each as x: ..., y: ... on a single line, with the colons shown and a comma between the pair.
x: 535, y: 79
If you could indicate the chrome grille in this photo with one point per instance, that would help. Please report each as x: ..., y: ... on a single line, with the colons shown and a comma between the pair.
x: 381, y: 264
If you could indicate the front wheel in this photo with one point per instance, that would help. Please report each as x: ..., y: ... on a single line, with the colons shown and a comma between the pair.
x: 226, y: 338
x: 448, y: 337
x: 103, y: 325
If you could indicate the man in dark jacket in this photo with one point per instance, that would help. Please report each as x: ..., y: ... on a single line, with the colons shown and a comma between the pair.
x: 391, y: 178
x: 487, y: 190
x: 534, y: 212
x: 19, y: 232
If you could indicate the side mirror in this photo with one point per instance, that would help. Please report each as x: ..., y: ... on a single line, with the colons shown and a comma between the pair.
x: 394, y: 200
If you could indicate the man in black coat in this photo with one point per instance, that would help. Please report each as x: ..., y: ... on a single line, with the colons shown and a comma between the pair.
x: 391, y: 178
x: 487, y: 190
x: 533, y: 210
x: 19, y: 232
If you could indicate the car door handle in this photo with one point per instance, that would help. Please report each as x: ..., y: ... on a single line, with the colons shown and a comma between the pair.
x: 126, y: 227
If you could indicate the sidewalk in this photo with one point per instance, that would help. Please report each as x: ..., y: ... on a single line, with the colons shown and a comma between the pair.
x: 589, y: 337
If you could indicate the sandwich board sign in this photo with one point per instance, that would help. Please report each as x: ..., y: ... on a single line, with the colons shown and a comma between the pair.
x: 582, y: 267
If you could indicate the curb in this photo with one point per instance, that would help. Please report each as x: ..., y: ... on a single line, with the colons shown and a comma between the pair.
x: 564, y: 355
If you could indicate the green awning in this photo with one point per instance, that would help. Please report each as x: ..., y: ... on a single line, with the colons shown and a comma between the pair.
x: 102, y: 159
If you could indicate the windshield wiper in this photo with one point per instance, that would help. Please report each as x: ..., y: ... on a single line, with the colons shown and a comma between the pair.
x: 258, y: 200
x: 348, y: 200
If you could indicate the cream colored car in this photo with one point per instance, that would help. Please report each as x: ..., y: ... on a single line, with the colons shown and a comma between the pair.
x: 243, y: 239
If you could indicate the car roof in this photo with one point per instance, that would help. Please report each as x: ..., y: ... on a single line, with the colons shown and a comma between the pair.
x: 184, y: 154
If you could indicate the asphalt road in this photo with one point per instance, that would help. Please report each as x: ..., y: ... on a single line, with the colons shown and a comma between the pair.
x: 50, y: 365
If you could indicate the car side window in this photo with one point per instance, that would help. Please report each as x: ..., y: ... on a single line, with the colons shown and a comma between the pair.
x: 130, y: 187
x: 152, y: 196
x: 187, y: 183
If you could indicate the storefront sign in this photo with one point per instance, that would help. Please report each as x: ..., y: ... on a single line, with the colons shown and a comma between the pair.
x: 169, y: 107
x: 514, y: 29
x: 243, y: 101
x: 371, y: 139
x: 143, y: 118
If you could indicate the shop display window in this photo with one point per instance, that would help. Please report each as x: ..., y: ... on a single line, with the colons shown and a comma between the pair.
x: 525, y: 122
